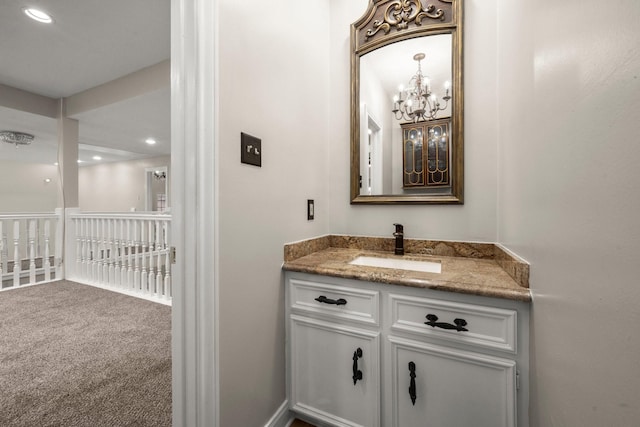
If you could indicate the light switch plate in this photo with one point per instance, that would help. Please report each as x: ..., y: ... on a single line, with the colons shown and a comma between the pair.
x: 250, y: 150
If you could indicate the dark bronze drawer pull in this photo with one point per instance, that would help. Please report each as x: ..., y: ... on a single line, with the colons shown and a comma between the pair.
x: 459, y: 324
x: 326, y: 300
x: 357, y: 374
x: 412, y: 383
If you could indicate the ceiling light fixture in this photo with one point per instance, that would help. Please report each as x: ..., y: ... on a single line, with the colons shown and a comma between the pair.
x: 150, y: 141
x: 97, y: 158
x: 16, y: 138
x: 38, y: 15
x: 417, y: 102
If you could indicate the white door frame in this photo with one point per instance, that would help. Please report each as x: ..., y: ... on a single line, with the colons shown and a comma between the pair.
x: 194, y: 212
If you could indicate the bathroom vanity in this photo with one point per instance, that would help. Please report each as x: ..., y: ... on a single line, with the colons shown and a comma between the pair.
x: 393, y: 346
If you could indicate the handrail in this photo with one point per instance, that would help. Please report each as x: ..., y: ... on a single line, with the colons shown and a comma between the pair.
x: 120, y: 215
x: 28, y: 215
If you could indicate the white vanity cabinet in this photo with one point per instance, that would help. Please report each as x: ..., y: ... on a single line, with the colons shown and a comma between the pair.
x: 334, y: 353
x: 443, y: 365
x: 430, y: 358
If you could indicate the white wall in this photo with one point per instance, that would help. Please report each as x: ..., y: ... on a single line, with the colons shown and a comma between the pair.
x: 274, y: 84
x: 569, y: 200
x: 376, y: 101
x: 118, y: 186
x: 476, y: 219
x: 23, y: 187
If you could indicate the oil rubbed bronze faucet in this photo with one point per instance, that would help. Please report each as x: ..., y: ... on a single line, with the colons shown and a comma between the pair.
x: 399, y: 235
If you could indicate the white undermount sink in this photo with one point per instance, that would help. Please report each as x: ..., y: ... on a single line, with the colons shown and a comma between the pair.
x: 398, y: 264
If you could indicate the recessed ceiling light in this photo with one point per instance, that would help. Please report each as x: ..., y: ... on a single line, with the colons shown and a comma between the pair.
x: 80, y: 161
x: 150, y: 141
x: 38, y: 15
x: 47, y: 180
x: 55, y: 164
x: 97, y: 158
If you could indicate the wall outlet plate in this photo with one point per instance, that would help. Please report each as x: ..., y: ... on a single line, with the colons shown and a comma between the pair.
x: 250, y: 150
x: 310, y: 210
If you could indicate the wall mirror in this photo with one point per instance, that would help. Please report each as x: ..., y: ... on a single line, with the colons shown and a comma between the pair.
x: 407, y: 103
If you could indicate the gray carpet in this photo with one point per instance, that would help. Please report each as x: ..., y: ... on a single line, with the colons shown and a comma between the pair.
x: 75, y: 355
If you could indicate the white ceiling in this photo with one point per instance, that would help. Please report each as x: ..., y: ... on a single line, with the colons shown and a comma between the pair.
x: 91, y: 42
x: 394, y: 64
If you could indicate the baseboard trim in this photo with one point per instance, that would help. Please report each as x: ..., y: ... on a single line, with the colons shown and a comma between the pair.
x: 282, y: 417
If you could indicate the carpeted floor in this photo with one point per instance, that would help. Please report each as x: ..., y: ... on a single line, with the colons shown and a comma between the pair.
x: 74, y: 355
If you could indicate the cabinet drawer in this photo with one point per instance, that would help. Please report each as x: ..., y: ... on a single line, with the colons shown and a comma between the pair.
x: 486, y: 327
x: 334, y: 302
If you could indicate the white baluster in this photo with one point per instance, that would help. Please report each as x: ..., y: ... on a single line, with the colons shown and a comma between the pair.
x: 84, y: 226
x: 17, y: 261
x: 98, y: 253
x: 116, y: 255
x: 94, y: 249
x: 111, y: 251
x: 123, y: 253
x: 152, y: 248
x: 105, y: 251
x: 46, y: 262
x: 77, y: 225
x: 159, y: 248
x: 136, y: 253
x: 3, y: 257
x: 167, y: 264
x: 130, y: 274
x: 32, y: 251
x: 126, y: 254
x: 143, y: 276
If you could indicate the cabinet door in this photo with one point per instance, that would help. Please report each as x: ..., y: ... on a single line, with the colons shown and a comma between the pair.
x: 335, y: 374
x: 451, y: 387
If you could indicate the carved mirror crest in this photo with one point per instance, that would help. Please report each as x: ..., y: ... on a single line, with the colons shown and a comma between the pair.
x: 407, y: 103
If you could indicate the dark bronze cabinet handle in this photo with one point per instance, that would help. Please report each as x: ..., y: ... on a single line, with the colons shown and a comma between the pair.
x: 412, y: 383
x: 357, y: 374
x: 326, y: 300
x: 459, y: 324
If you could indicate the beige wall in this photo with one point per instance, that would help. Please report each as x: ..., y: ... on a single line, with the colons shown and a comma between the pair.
x: 569, y: 201
x: 116, y: 187
x: 274, y: 82
x: 23, y: 187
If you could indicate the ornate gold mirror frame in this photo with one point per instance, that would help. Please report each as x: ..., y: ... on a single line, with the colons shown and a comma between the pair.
x: 388, y: 22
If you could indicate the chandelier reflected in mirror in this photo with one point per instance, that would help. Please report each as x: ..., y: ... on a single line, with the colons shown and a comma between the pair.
x: 16, y: 138
x: 417, y: 102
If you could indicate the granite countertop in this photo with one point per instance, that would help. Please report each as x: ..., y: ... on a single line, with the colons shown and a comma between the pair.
x: 472, y: 268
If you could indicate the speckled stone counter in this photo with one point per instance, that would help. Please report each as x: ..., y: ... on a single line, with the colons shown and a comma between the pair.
x: 471, y: 268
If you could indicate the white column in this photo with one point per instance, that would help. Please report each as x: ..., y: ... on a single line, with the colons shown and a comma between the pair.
x: 68, y: 157
x: 193, y: 164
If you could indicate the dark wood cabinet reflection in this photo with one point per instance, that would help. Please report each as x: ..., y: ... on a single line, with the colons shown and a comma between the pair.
x: 426, y: 153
